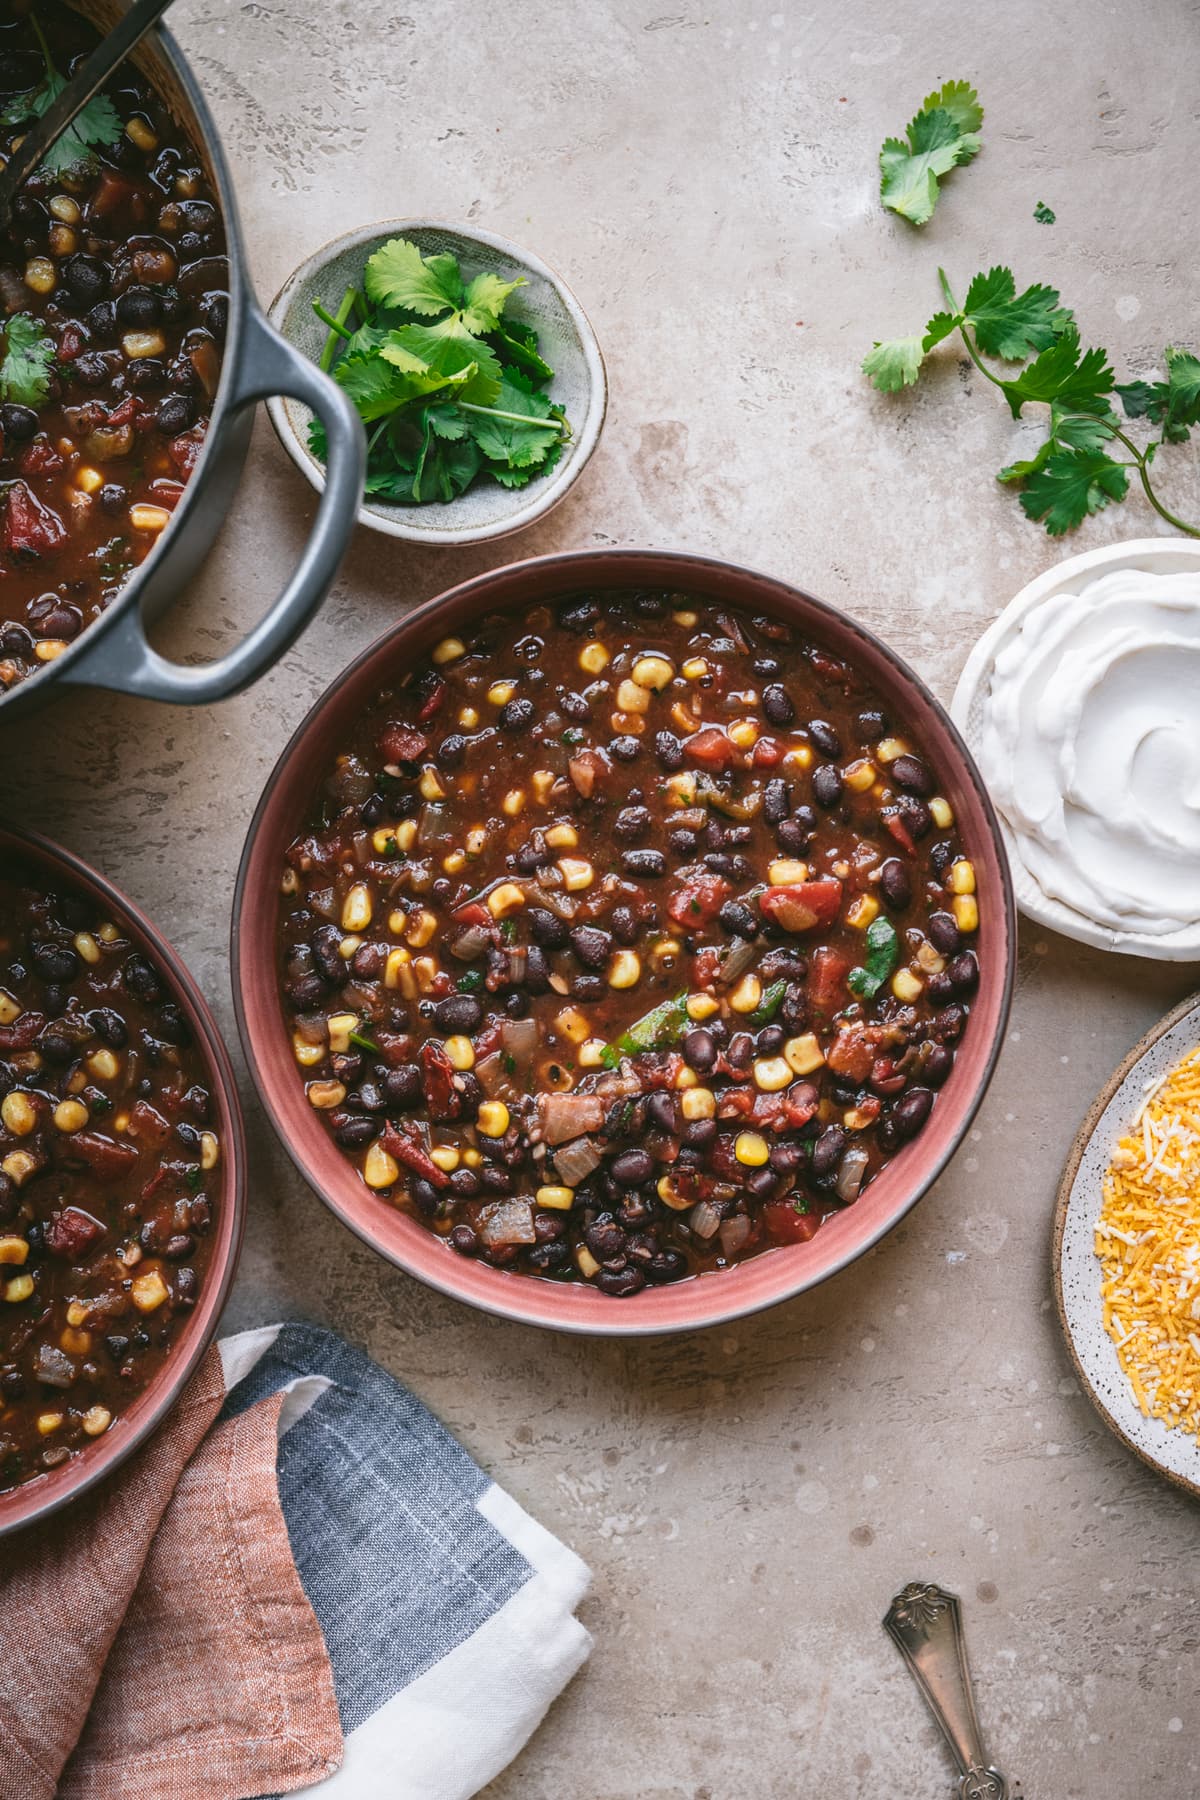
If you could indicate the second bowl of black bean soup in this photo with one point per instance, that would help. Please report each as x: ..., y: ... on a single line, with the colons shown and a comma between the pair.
x: 625, y: 941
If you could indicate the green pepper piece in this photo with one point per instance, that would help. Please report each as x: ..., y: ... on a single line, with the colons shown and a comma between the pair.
x: 364, y: 1043
x: 770, y: 1003
x: 883, y: 953
x: 661, y: 1026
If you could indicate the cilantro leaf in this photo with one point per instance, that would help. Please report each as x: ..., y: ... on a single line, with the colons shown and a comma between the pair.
x: 28, y: 356
x: 398, y: 275
x: 895, y: 363
x: 96, y: 126
x: 1011, y: 325
x: 1076, y: 431
x: 942, y: 136
x: 519, y: 441
x: 1043, y: 214
x: 1081, y: 384
x: 485, y: 300
x: 1070, y: 486
x: 447, y: 349
x: 517, y: 343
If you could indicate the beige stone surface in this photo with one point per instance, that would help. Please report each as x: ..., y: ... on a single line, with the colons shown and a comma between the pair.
x: 703, y: 174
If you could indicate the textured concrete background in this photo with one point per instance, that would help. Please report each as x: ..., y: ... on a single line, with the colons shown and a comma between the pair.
x: 704, y: 176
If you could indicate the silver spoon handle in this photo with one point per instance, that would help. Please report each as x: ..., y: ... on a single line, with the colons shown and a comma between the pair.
x: 87, y: 80
x: 925, y: 1624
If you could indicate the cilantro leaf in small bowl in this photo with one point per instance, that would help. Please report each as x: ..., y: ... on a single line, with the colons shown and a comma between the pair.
x: 474, y: 369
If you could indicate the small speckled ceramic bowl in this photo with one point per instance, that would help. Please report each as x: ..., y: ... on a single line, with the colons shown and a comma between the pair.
x: 566, y: 341
x: 45, y: 1494
x: 1175, y: 1454
x: 574, y: 1305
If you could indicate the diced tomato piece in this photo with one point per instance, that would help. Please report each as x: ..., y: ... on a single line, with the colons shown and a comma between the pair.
x: 112, y: 191
x: 800, y: 1103
x: 432, y: 701
x: 803, y: 906
x: 886, y: 1075
x: 395, y: 1047
x: 31, y: 529
x: 767, y: 753
x: 402, y: 743
x: 71, y: 1233
x: 70, y: 343
x: 706, y: 966
x: 437, y: 1078
x: 184, y: 450
x: 39, y: 457
x: 899, y: 830
x: 147, y: 1124
x: 22, y: 1032
x: 126, y: 411
x: 852, y: 1053
x: 712, y: 748
x: 167, y: 493
x: 786, y: 1225
x: 104, y: 1157
x: 827, y: 974
x: 828, y: 667
x: 699, y: 898
x: 473, y: 913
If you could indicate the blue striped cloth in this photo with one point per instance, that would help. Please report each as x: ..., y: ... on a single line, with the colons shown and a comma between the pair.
x: 447, y: 1612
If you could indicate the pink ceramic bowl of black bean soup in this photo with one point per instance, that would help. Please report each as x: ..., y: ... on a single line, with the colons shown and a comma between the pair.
x: 624, y: 942
x: 122, y: 1178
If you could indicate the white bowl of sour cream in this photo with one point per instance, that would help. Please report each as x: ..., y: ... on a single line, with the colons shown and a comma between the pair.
x: 1081, y: 705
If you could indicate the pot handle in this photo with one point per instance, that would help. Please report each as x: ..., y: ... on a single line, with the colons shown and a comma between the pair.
x: 125, y: 661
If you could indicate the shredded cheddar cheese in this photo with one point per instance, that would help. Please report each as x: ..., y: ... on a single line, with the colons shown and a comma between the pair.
x: 1148, y: 1243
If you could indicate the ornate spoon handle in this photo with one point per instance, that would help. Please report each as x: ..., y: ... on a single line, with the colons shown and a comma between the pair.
x: 925, y: 1624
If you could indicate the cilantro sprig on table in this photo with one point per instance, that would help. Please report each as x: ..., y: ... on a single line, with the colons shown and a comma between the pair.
x: 449, y: 388
x: 942, y: 136
x: 1072, y: 473
x: 97, y: 126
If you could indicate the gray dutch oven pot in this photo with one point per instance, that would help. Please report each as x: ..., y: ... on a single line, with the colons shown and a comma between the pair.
x: 114, y: 652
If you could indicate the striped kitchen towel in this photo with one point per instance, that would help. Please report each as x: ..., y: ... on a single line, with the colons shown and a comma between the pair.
x: 302, y: 1581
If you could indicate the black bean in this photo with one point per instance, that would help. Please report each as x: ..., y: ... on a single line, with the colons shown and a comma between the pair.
x: 964, y: 972
x: 591, y: 945
x: 214, y: 310
x: 86, y: 278
x: 325, y: 942
x: 771, y: 1040
x: 625, y: 927
x: 632, y: 1167
x: 793, y: 836
x: 625, y: 749
x: 91, y: 369
x: 543, y: 1259
x: 762, y: 1184
x: 537, y: 971
x: 827, y: 1151
x: 102, y: 320
x: 355, y: 1134
x: 895, y: 883
x: 785, y: 1157
x: 938, y: 988
x: 666, y: 1265
x: 699, y: 1050
x: 699, y: 1134
x: 941, y: 856
x: 668, y: 750
x: 495, y: 1179
x: 605, y: 1238
x: 55, y: 962
x: 549, y: 1227
x: 777, y: 800
x: 943, y: 933
x: 173, y: 1026
x: 19, y: 422
x: 827, y: 786
x: 588, y: 987
x: 869, y: 726
x: 682, y: 841
x: 424, y: 1196
x: 141, y: 979
x: 911, y: 1111
x: 910, y: 773
x: 516, y: 715
x: 573, y: 706
x: 402, y: 1086
x: 579, y: 615
x: 937, y: 1064
x: 464, y: 1240
x: 741, y: 1050
x: 916, y: 815
x: 737, y: 919
x: 662, y: 1110
x: 174, y: 414
x: 547, y: 929
x: 113, y: 497
x: 646, y: 864
x: 793, y: 1009
x: 777, y: 705
x: 650, y: 606
x: 459, y: 1013
x: 783, y: 960
x: 632, y: 822
x: 824, y: 737
x: 620, y: 1283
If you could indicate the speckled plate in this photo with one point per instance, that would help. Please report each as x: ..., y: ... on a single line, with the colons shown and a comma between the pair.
x: 1158, y: 556
x: 1174, y: 1453
x: 487, y: 510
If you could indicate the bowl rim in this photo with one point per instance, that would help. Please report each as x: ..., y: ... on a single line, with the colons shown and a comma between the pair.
x: 1106, y: 559
x: 586, y: 436
x: 35, y: 1500
x: 716, y: 1295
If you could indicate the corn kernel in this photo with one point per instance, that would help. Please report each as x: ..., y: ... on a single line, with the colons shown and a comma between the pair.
x: 506, y: 898
x: 87, y: 947
x: 379, y: 1169
x: 455, y: 863
x: 18, y: 1114
x: 585, y: 1262
x: 688, y: 619
x: 771, y: 1073
x: 625, y: 970
x: 906, y: 986
x: 962, y: 877
x: 49, y: 1422
x: 49, y: 649
x: 576, y: 873
x: 889, y: 748
x: 445, y: 1157
x: 684, y: 717
x: 556, y: 1199
x: 426, y: 971
x: 562, y: 837
x: 860, y: 775
x: 108, y: 934
x: 593, y: 658
x: 461, y: 1051
x: 77, y: 1313
x: 306, y: 1054
x: 357, y: 908
x: 325, y: 1095
x: 803, y: 1053
x: 493, y: 1118
x: 96, y: 1421
x: 670, y: 1195
x: 786, y: 871
x: 70, y: 1115
x: 40, y: 275
x: 941, y: 812
x: 747, y: 994
x: 149, y: 518
x: 501, y: 692
x: 88, y: 480
x: 966, y: 912
x: 513, y: 802
x: 13, y: 1250
x: 631, y: 698
x: 694, y: 669
x: 468, y: 718
x: 686, y: 1078
x: 476, y: 841
x: 448, y: 651
x: 430, y: 785
x: 340, y: 1027
x: 140, y: 132
x: 421, y: 926
x: 397, y: 960
x: 148, y: 1291
x: 653, y: 672
x: 698, y: 1103
x: 854, y: 1120
x: 701, y: 1006
x: 681, y: 788
x: 103, y: 1065
x: 62, y: 241
x: 10, y: 1009
x: 472, y: 1157
x: 862, y: 912
x: 405, y: 834
x: 210, y: 1150
x: 750, y: 1149
x: 18, y: 1289
x: 591, y: 1053
x: 743, y: 733
x: 571, y: 1024
x: 929, y: 958
x: 64, y: 209
x: 798, y: 757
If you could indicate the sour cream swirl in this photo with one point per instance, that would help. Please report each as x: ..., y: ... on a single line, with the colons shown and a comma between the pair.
x: 1090, y: 746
